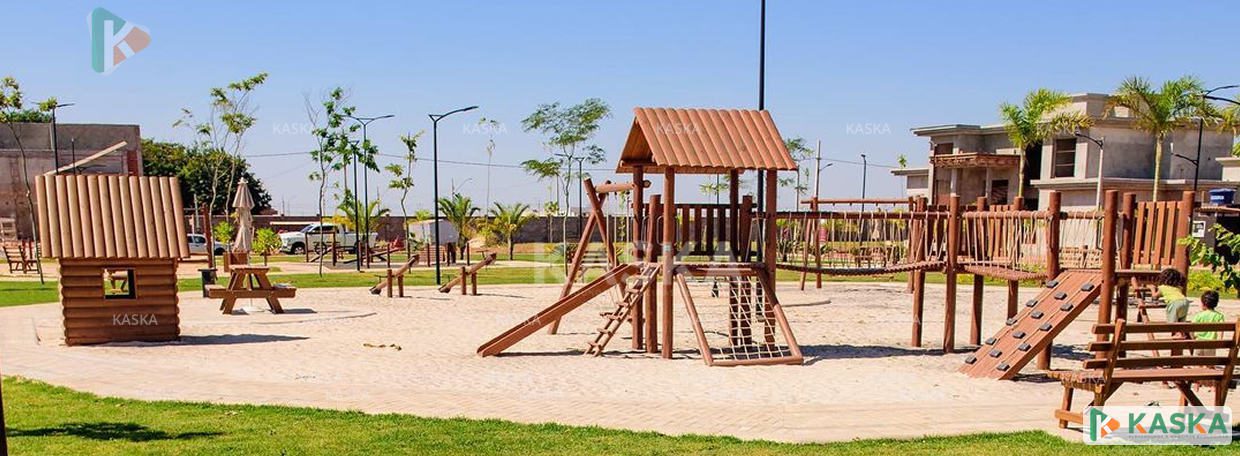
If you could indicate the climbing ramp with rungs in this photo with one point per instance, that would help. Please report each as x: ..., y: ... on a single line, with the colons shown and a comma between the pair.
x: 1033, y: 328
x: 630, y: 296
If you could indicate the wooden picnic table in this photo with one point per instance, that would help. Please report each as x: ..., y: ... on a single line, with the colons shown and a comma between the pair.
x: 250, y: 282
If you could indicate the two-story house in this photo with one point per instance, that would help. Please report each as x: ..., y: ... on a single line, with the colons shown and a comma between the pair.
x: 974, y: 160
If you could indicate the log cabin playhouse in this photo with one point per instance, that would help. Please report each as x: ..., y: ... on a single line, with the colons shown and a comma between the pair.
x: 740, y: 324
x: 117, y: 240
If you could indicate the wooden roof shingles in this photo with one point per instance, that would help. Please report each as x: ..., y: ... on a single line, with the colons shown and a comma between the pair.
x: 110, y: 216
x: 709, y: 141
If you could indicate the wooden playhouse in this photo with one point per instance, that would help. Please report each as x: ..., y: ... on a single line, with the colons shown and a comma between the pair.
x: 117, y: 240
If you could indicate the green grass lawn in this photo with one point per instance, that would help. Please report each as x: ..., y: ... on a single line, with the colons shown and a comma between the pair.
x: 44, y: 419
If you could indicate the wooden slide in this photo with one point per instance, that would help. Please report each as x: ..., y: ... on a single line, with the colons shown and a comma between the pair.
x: 470, y: 272
x: 614, y: 277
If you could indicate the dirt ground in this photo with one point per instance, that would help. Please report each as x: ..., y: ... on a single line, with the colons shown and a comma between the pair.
x: 347, y: 349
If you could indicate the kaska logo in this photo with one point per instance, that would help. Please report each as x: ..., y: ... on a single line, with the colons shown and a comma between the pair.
x: 112, y: 40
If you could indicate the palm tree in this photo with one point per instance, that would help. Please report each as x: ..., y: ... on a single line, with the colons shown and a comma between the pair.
x: 1159, y: 112
x: 1038, y: 119
x: 507, y: 220
x: 1229, y: 120
x: 459, y: 210
x: 346, y: 212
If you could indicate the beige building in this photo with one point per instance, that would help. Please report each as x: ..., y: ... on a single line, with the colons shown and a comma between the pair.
x: 974, y: 160
x: 74, y: 141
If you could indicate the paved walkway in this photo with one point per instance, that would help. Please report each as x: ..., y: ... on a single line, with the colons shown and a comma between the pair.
x: 337, y: 348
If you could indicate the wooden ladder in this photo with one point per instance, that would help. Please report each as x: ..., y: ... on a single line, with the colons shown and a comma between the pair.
x: 612, y: 321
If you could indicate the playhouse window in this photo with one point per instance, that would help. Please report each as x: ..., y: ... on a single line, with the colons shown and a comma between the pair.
x: 118, y: 283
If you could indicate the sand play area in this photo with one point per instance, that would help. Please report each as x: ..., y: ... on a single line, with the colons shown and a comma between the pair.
x: 347, y: 349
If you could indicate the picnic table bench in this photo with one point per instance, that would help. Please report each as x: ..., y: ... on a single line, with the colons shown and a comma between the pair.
x: 250, y: 282
x: 1117, y: 361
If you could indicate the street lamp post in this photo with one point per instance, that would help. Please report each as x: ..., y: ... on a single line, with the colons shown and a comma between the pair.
x: 362, y: 214
x: 1201, y: 125
x: 56, y: 150
x: 1101, y: 157
x: 435, y: 118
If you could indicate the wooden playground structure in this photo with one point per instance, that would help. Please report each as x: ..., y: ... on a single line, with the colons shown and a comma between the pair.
x: 1081, y: 256
x: 745, y: 327
x: 117, y: 240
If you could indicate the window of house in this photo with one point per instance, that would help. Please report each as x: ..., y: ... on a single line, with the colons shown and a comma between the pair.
x: 943, y: 149
x: 1065, y: 158
x: 118, y: 283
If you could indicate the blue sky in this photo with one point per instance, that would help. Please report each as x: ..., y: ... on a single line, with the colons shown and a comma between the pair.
x: 880, y: 68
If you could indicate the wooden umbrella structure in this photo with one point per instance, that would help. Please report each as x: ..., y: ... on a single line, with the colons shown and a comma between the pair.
x: 243, y: 204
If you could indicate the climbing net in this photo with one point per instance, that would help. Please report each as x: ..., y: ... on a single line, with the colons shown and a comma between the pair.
x: 744, y: 324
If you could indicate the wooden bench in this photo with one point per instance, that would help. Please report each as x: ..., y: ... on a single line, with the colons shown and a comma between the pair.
x: 20, y: 259
x: 1118, y: 361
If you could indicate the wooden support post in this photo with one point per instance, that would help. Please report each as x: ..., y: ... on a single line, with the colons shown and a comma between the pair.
x: 1127, y: 235
x: 919, y: 304
x: 473, y: 284
x: 916, y: 246
x: 1109, y: 216
x: 770, y: 245
x: 1183, y: 225
x: 734, y: 231
x: 464, y: 278
x: 953, y: 249
x: 975, y: 323
x: 669, y: 260
x: 1053, y: 207
x: 389, y: 282
x: 979, y: 290
x: 400, y: 285
x: 1013, y: 296
x: 637, y: 245
x: 652, y: 293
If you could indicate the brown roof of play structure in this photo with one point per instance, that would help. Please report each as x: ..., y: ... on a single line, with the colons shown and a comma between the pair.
x: 109, y: 216
x: 704, y: 141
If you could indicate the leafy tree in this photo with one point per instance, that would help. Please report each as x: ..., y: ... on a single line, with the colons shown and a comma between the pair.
x: 546, y: 169
x: 11, y: 113
x: 1159, y: 112
x: 195, y: 168
x: 347, y: 213
x: 230, y: 116
x: 507, y: 220
x: 902, y: 160
x: 1224, y: 269
x: 331, y: 136
x: 30, y: 115
x: 266, y: 243
x: 490, y: 125
x: 800, y: 151
x: 459, y: 210
x: 223, y: 232
x: 569, y: 129
x: 402, y: 177
x: 1039, y: 118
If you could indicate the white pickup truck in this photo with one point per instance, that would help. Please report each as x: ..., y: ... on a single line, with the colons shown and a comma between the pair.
x: 318, y: 235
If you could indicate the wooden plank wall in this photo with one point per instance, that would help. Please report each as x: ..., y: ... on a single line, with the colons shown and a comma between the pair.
x: 89, y: 318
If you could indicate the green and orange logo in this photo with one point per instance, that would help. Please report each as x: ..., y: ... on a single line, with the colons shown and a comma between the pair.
x: 1156, y: 425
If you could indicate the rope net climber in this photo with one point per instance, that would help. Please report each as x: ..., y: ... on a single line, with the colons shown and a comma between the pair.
x: 743, y: 324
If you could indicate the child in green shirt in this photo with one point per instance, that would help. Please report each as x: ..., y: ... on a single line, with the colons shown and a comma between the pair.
x: 1209, y: 300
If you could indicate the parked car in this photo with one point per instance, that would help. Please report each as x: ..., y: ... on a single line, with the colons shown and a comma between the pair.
x: 198, y: 245
x: 317, y: 236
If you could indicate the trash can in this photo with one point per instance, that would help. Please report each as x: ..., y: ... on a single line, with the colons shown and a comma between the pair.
x: 208, y: 278
x: 1222, y: 196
